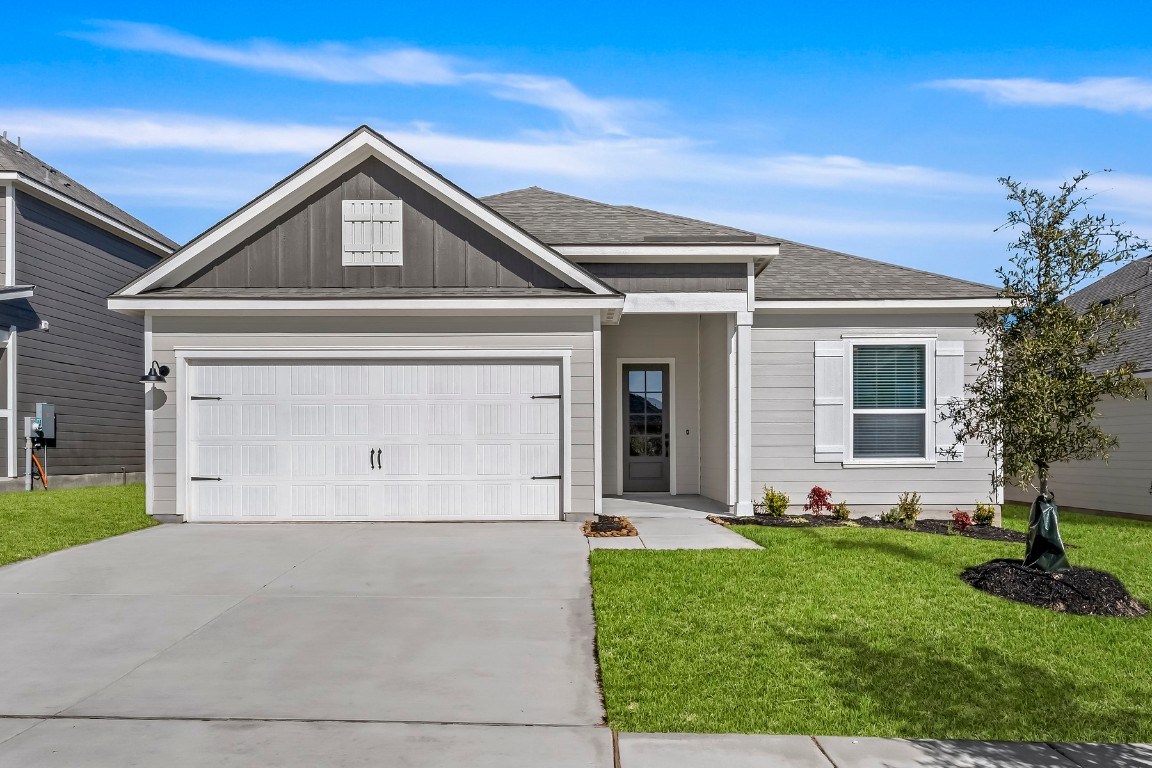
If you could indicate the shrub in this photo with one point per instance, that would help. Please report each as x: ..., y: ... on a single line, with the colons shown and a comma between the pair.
x: 841, y: 511
x: 775, y: 502
x: 985, y: 514
x: 907, y: 509
x: 891, y: 516
x: 819, y: 501
x: 961, y: 520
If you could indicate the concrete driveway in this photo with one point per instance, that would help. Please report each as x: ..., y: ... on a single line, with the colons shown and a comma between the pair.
x: 329, y: 644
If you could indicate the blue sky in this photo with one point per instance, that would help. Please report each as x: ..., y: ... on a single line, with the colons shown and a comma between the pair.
x: 877, y: 129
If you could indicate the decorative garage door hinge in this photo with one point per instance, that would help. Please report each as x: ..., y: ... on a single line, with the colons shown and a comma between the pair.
x: 205, y: 397
x: 194, y: 477
x: 545, y: 397
x: 546, y: 477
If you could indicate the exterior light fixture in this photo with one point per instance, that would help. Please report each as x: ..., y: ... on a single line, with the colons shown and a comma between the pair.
x: 155, y: 374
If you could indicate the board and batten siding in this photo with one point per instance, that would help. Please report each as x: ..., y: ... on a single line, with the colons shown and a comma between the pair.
x: 441, y: 247
x: 270, y: 333
x: 1122, y: 484
x: 783, y: 411
x: 88, y: 363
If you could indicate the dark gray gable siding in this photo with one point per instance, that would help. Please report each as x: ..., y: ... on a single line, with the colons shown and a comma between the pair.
x: 671, y: 278
x: 90, y: 360
x: 442, y: 249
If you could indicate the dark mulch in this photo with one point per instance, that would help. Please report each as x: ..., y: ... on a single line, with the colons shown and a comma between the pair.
x: 987, y: 532
x: 1082, y: 591
x: 607, y: 525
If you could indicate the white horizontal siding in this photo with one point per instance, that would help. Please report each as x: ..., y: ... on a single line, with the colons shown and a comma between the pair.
x: 783, y: 398
x: 1121, y: 484
x: 334, y: 332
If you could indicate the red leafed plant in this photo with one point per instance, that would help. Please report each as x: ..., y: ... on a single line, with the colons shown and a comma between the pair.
x: 961, y: 520
x: 819, y: 501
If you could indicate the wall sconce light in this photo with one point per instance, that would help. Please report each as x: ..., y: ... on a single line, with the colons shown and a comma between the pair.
x: 155, y: 374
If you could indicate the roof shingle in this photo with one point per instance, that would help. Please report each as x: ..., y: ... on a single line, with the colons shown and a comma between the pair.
x: 800, y: 272
x: 1133, y: 284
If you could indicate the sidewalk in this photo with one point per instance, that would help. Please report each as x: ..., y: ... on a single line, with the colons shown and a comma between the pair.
x: 677, y: 750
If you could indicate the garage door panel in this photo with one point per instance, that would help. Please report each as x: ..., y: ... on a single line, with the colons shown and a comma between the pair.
x: 388, y: 441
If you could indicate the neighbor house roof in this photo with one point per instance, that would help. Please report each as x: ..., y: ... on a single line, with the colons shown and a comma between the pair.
x: 15, y: 159
x: 800, y: 272
x: 1131, y: 283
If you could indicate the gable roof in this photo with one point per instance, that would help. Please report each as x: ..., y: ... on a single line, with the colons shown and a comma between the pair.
x: 353, y: 149
x: 1132, y: 283
x: 800, y: 272
x: 15, y: 159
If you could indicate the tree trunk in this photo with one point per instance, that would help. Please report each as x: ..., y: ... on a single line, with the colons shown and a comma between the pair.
x: 1045, y: 548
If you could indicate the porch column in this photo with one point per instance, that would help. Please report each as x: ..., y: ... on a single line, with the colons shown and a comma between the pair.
x: 743, y: 354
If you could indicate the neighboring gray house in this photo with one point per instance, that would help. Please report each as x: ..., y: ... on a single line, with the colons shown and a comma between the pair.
x: 368, y: 341
x: 1122, y: 484
x: 63, y: 250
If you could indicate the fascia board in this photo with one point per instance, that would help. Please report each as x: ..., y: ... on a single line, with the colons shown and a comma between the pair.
x: 833, y: 306
x: 81, y: 211
x: 137, y: 304
x: 343, y: 157
x: 674, y: 303
x: 667, y: 252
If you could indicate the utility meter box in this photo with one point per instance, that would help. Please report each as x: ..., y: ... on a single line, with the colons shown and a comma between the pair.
x: 46, y: 420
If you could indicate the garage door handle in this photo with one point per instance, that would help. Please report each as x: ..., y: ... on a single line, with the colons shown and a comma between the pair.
x: 545, y: 397
x: 206, y: 478
x: 546, y: 477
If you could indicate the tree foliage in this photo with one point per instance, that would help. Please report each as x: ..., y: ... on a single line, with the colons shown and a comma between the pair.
x: 1043, y: 371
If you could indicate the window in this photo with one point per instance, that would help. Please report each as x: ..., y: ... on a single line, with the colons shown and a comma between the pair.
x: 372, y: 234
x: 889, y: 401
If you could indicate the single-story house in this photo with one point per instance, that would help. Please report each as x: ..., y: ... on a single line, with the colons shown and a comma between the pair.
x: 1123, y: 484
x: 368, y: 341
x: 63, y: 250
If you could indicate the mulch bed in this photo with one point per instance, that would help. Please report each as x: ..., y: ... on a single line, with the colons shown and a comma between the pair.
x: 940, y: 527
x: 608, y: 526
x: 1082, y: 591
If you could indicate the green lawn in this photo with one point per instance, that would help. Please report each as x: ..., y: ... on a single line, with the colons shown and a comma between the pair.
x: 850, y: 631
x: 40, y: 521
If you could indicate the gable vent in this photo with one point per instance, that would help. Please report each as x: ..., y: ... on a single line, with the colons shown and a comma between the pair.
x: 373, y: 233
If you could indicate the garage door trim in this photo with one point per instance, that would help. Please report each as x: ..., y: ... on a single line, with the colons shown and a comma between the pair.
x: 187, y: 356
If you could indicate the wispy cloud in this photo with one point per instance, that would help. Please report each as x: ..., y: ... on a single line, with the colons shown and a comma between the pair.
x: 401, y: 65
x: 1105, y: 94
x: 561, y: 155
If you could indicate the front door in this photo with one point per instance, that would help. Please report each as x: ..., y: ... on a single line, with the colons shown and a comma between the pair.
x: 647, y: 433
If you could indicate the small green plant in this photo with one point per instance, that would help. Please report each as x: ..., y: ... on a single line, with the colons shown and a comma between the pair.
x: 775, y: 502
x: 906, y: 511
x: 841, y: 511
x: 985, y: 514
x: 819, y: 501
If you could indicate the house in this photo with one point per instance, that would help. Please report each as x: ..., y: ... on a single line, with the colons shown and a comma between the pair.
x: 63, y: 250
x: 1123, y: 484
x: 366, y: 340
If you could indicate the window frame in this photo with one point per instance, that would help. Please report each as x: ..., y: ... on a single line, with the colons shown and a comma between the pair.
x: 929, y: 457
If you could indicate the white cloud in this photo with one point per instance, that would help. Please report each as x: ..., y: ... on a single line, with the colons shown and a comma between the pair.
x: 598, y: 158
x: 1106, y: 94
x: 403, y: 65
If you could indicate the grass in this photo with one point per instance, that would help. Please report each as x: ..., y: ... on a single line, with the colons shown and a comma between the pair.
x: 852, y: 631
x: 39, y: 522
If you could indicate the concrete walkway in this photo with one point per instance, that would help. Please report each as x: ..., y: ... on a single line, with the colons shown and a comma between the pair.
x: 670, y: 522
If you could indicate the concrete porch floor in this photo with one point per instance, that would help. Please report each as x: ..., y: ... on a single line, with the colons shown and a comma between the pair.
x: 663, y: 505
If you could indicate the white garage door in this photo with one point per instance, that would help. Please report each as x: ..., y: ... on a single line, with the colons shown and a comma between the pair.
x: 374, y: 441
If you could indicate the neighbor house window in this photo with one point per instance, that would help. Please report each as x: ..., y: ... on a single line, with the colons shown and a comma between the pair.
x: 373, y: 233
x: 889, y: 401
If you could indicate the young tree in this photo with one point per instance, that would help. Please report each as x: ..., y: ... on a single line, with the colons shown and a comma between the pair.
x: 1033, y: 402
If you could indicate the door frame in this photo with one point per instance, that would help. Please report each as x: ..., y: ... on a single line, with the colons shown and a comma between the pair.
x: 188, y: 356
x: 620, y: 416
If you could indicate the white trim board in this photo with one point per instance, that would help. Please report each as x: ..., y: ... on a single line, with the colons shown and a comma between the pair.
x: 690, y: 303
x: 91, y: 215
x: 360, y: 145
x: 832, y: 306
x: 188, y: 355
x: 620, y: 416
x: 718, y: 252
x: 195, y: 306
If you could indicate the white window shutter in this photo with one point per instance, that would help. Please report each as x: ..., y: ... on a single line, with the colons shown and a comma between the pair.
x: 949, y: 387
x: 831, y: 410
x: 372, y: 233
